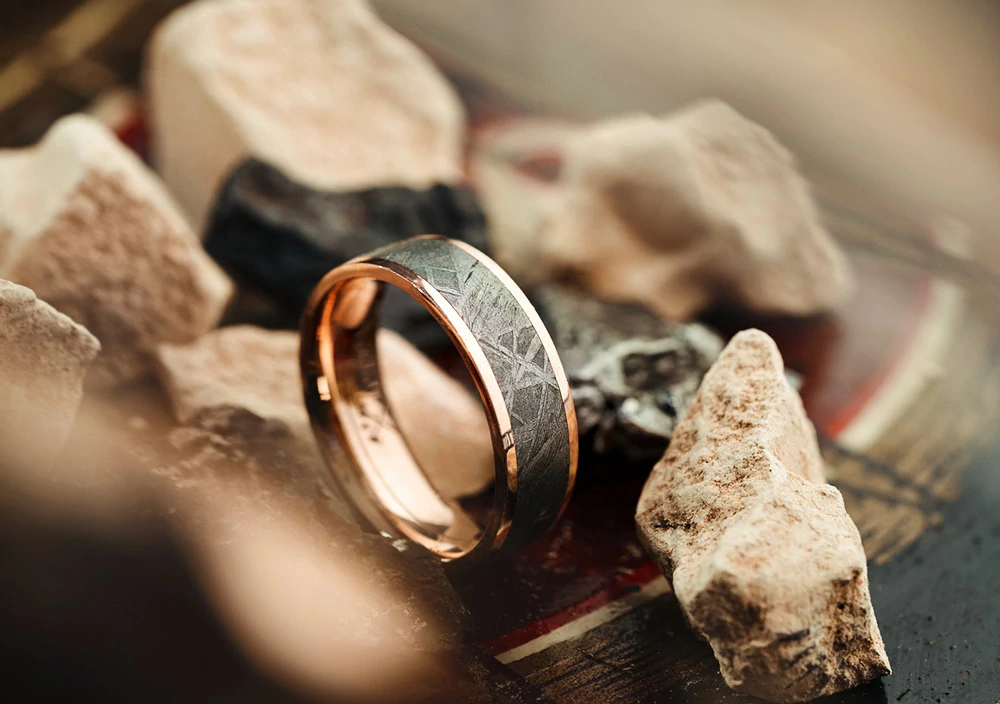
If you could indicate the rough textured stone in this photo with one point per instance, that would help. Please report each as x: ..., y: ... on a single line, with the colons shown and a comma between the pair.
x: 320, y: 88
x: 280, y: 237
x: 241, y: 367
x: 256, y: 372
x: 266, y: 454
x: 94, y: 234
x: 632, y: 373
x: 764, y: 560
x: 698, y: 208
x: 301, y: 586
x: 43, y: 361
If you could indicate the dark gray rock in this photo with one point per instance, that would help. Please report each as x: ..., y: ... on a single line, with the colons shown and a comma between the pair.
x: 631, y: 372
x: 278, y: 238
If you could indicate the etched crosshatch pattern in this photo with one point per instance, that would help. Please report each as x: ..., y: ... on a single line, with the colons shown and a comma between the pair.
x: 519, y: 362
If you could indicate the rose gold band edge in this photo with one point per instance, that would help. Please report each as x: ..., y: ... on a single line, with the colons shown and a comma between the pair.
x: 550, y: 349
x: 497, y: 414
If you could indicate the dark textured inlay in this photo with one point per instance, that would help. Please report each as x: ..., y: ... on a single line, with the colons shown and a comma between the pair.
x: 522, y: 368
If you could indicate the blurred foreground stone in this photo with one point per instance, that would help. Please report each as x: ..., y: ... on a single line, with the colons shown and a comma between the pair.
x: 209, y: 575
x: 303, y: 587
x: 43, y: 362
x: 680, y: 213
x: 322, y: 89
x: 319, y: 603
x: 93, y: 232
x: 632, y: 373
x: 763, y: 558
x: 243, y: 382
x: 280, y: 237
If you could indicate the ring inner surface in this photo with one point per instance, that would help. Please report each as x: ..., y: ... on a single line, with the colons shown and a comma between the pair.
x: 379, y: 450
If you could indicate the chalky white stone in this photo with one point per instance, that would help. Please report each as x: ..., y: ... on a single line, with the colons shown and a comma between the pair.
x: 93, y: 232
x: 682, y: 212
x: 257, y: 371
x: 43, y: 361
x: 763, y: 558
x: 320, y: 89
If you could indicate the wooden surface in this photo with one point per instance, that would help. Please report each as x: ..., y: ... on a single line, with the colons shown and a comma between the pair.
x: 902, y: 384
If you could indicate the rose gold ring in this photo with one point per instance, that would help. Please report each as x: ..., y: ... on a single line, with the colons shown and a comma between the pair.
x: 512, y: 361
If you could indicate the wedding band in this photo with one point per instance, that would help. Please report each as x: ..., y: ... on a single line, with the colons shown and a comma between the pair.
x: 512, y: 361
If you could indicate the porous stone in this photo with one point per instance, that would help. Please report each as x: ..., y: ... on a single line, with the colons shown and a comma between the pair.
x: 701, y: 207
x: 281, y: 237
x: 256, y: 372
x: 632, y: 373
x: 763, y: 558
x: 322, y: 89
x: 92, y: 231
x: 43, y: 361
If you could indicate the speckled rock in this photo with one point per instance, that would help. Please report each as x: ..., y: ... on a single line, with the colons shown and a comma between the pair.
x: 632, y: 373
x: 763, y: 558
x: 698, y: 208
x: 322, y: 89
x: 43, y: 361
x: 279, y: 238
x: 93, y: 232
x: 256, y: 372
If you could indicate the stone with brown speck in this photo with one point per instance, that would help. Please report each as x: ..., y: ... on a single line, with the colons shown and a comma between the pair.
x: 763, y: 558
x: 680, y: 213
x: 321, y: 89
x: 93, y: 232
x: 43, y: 361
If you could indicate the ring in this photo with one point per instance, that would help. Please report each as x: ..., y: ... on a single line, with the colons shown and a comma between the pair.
x: 513, y: 364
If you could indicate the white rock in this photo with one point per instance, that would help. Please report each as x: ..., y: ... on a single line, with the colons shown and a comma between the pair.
x: 320, y: 89
x: 235, y: 367
x: 92, y: 231
x: 257, y: 371
x: 682, y: 212
x: 43, y: 361
x: 764, y: 560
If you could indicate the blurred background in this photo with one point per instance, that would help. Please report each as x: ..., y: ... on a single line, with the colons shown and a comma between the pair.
x: 895, y: 103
